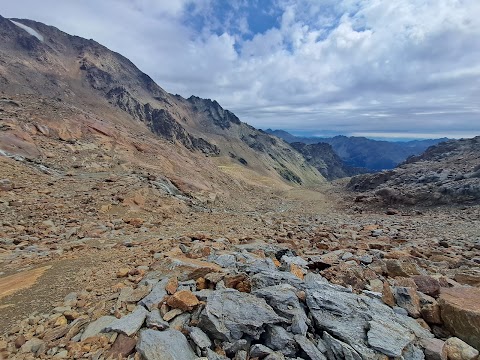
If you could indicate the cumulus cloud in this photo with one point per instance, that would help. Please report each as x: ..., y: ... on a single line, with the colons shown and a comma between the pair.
x: 323, y: 66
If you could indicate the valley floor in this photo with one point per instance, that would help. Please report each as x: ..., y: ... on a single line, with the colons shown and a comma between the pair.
x: 59, y: 237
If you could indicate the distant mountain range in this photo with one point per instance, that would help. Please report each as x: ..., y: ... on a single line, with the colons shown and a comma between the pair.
x: 360, y: 152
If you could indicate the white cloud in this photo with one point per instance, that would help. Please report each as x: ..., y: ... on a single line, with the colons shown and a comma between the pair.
x: 333, y: 65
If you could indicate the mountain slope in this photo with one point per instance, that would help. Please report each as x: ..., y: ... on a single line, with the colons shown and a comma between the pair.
x: 365, y: 153
x: 446, y: 173
x: 101, y: 88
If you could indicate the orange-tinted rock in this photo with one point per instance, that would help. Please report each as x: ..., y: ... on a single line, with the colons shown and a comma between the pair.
x: 400, y: 268
x: 405, y: 282
x: 123, y: 272
x: 184, y: 300
x: 460, y: 311
x: 297, y: 271
x: 302, y: 296
x: 19, y: 341
x: 431, y: 313
x: 206, y: 251
x: 241, y: 282
x: 347, y: 274
x: 201, y: 283
x: 387, y: 295
x: 137, y: 222
x: 122, y: 347
x: 427, y: 285
x: 423, y: 324
x: 176, y: 263
x: 468, y: 278
x: 172, y: 285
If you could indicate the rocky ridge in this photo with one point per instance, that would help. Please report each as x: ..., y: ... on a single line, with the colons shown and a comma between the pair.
x: 446, y: 173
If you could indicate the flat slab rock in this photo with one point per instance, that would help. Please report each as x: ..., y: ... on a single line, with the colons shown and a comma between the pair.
x: 460, y: 311
x: 156, y: 295
x: 166, y: 345
x: 129, y: 324
x: 229, y: 314
x: 97, y: 326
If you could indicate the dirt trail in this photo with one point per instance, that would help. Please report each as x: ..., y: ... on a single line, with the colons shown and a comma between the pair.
x: 38, y: 289
x: 23, y: 280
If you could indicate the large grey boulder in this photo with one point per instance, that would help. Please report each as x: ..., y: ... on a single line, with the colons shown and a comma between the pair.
x: 224, y: 260
x: 155, y: 320
x: 230, y: 314
x: 199, y: 337
x: 252, y: 264
x: 283, y: 299
x: 260, y: 351
x: 166, y: 345
x: 365, y: 324
x: 156, y: 295
x: 129, y: 324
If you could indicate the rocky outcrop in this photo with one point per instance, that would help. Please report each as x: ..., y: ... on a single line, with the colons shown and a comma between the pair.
x: 446, y: 173
x: 160, y: 121
x: 212, y: 109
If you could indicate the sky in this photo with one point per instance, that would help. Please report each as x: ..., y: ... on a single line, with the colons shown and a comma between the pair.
x: 376, y: 68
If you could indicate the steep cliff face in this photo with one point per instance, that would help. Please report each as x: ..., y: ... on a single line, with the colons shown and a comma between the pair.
x: 324, y: 159
x: 445, y: 173
x: 89, y: 76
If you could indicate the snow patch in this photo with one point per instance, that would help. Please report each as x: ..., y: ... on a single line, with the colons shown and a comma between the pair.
x: 29, y: 30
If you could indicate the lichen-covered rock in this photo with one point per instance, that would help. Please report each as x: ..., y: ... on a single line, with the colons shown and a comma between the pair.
x: 460, y: 350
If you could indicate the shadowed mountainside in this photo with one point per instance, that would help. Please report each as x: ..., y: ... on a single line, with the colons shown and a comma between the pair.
x: 365, y: 153
x: 324, y: 159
